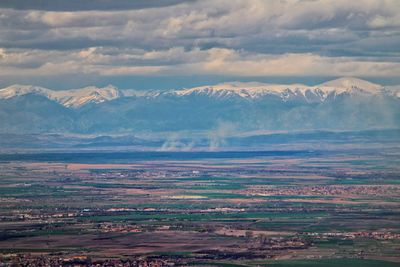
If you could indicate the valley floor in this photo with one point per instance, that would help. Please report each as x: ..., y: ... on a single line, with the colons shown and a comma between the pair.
x: 272, y: 208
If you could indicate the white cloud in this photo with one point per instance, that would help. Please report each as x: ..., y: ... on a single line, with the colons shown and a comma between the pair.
x: 134, y: 70
x: 224, y: 37
x: 228, y: 62
x: 380, y: 21
x: 178, y: 61
x: 87, y: 52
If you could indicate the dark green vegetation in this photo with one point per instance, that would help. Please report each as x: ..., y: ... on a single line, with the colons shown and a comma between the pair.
x: 278, y: 208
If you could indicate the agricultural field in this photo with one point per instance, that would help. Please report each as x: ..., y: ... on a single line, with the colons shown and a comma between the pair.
x: 271, y: 208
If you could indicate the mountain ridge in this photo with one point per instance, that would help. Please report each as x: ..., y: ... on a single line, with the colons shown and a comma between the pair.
x: 73, y: 98
x: 348, y: 105
x: 76, y: 98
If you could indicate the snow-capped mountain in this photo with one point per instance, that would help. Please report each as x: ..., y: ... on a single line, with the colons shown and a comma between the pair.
x: 349, y: 83
x: 76, y: 98
x: 342, y: 104
x: 69, y: 98
x: 253, y: 90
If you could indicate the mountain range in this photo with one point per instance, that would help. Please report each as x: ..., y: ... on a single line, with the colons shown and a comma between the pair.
x: 341, y: 104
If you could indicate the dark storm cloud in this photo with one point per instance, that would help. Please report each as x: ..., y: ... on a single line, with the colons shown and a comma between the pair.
x: 77, y: 5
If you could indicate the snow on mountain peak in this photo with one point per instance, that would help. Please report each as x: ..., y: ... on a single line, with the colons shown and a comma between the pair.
x: 69, y: 98
x: 285, y: 91
x: 243, y: 89
x: 76, y: 98
x: 351, y: 83
x: 91, y: 94
x: 18, y: 90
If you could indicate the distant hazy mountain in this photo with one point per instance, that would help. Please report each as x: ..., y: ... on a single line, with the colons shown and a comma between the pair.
x: 342, y: 104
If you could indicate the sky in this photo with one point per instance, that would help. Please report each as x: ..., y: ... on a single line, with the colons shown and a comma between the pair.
x: 161, y: 44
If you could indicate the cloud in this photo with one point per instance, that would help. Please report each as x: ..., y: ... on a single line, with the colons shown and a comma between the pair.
x: 230, y: 62
x: 134, y: 70
x: 379, y: 22
x: 218, y: 37
x: 178, y: 61
x: 75, y: 5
